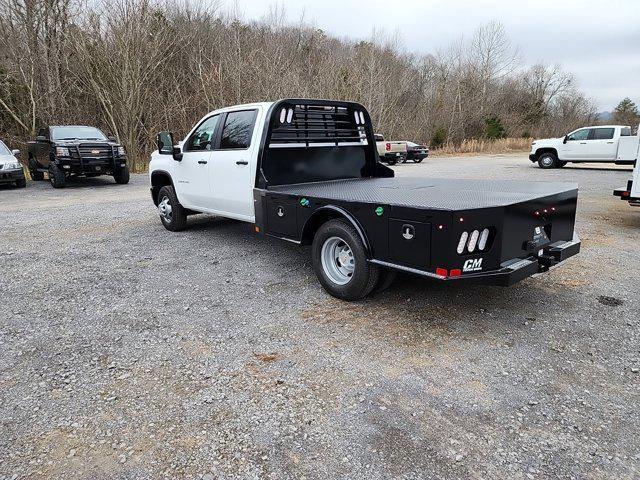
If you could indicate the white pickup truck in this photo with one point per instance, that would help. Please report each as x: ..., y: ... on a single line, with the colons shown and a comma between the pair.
x: 602, y: 144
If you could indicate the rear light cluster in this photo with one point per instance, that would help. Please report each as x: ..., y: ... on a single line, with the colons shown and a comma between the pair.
x: 473, y: 241
x: 388, y: 147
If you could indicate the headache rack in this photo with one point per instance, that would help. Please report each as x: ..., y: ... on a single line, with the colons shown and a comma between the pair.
x: 317, y: 140
x: 296, y: 124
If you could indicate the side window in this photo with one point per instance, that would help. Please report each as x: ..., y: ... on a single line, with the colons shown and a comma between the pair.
x: 604, y: 133
x: 579, y: 135
x: 202, y: 138
x: 237, y: 130
x: 625, y: 132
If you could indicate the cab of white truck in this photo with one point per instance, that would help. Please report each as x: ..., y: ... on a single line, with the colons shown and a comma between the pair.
x: 602, y: 143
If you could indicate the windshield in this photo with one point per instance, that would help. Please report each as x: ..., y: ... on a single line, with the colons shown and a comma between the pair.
x: 4, y: 150
x: 73, y: 133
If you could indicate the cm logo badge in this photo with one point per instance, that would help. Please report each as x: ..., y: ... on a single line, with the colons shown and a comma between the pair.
x: 472, y: 265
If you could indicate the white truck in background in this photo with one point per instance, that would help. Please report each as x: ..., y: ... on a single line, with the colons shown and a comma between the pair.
x: 390, y: 152
x: 599, y: 144
x: 631, y: 193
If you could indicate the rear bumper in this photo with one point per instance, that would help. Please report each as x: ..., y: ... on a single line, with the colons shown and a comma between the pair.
x: 10, y: 176
x: 511, y: 271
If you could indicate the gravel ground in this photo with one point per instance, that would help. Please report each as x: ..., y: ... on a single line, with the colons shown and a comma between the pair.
x: 131, y: 352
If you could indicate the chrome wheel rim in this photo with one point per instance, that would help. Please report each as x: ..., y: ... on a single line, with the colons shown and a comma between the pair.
x: 547, y: 161
x: 338, y: 261
x: 164, y: 207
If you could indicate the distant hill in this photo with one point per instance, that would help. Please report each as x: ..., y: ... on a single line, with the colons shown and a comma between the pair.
x: 605, y: 116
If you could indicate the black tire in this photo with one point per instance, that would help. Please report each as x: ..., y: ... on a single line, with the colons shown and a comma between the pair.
x: 392, y: 161
x: 417, y: 160
x: 385, y: 279
x: 548, y: 160
x: 176, y: 219
x: 121, y: 175
x: 365, y: 275
x: 57, y: 178
x: 36, y: 176
x: 22, y: 183
x: 561, y: 164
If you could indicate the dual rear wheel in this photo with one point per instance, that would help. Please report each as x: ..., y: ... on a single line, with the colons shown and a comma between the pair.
x: 340, y: 262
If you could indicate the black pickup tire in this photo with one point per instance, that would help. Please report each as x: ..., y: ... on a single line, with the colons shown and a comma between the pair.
x: 392, y: 161
x: 22, y: 183
x: 340, y: 261
x: 417, y: 160
x: 36, y: 176
x: 172, y: 215
x: 548, y: 160
x: 57, y: 178
x: 121, y: 175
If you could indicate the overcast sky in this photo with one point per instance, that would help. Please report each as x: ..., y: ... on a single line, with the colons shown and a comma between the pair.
x: 598, y: 41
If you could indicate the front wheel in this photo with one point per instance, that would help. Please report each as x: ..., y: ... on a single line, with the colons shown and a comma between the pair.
x: 172, y: 214
x: 57, y: 177
x: 547, y: 160
x: 22, y: 183
x: 392, y: 161
x: 417, y: 160
x: 340, y: 261
x: 121, y: 175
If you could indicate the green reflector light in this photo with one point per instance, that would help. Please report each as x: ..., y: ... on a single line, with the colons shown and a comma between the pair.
x: 304, y: 202
x: 379, y: 211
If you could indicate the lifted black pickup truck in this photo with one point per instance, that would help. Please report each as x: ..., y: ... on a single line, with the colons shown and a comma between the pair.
x: 76, y: 151
x: 313, y: 168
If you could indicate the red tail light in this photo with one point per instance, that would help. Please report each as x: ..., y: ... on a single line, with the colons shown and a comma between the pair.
x: 388, y: 147
x: 443, y: 272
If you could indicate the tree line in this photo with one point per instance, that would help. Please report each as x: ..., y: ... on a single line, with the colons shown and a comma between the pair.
x: 135, y: 67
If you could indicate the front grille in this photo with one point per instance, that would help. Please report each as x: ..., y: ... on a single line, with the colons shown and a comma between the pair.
x: 92, y: 154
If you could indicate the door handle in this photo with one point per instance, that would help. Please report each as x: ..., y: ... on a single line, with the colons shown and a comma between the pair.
x: 583, y: 143
x: 202, y: 162
x: 610, y: 143
x: 242, y: 162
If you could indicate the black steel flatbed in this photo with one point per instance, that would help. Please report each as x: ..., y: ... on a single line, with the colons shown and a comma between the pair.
x: 428, y: 193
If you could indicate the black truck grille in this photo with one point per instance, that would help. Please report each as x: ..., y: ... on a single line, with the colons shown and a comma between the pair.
x: 92, y: 154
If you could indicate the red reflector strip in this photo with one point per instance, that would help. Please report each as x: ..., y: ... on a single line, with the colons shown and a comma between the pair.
x: 455, y: 273
x: 443, y: 272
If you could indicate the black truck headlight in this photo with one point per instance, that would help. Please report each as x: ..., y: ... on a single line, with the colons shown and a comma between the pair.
x: 62, y: 152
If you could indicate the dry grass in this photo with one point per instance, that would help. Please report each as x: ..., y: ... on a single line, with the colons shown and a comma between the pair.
x: 474, y: 146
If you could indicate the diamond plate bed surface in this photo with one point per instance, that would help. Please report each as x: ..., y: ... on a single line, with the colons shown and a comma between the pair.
x: 433, y: 193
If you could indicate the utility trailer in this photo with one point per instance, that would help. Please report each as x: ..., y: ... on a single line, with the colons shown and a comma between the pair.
x: 631, y: 193
x: 312, y: 171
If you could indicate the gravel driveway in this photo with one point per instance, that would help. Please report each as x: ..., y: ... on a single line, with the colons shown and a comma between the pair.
x: 131, y: 352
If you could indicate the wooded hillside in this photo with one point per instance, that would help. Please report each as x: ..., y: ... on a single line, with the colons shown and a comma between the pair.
x: 134, y: 67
